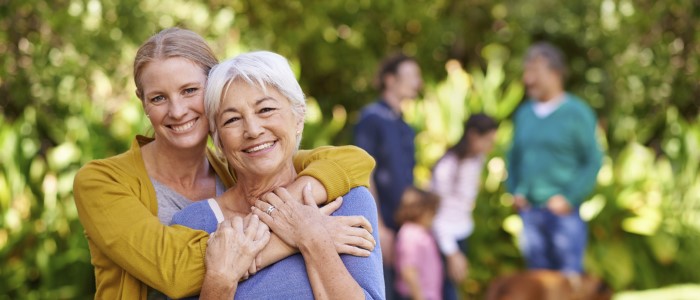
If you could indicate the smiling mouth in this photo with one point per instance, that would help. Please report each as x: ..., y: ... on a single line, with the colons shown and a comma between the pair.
x: 260, y: 147
x: 183, y: 127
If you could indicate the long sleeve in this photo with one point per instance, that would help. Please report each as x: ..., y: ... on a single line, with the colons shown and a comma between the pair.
x: 443, y: 185
x: 122, y: 228
x: 367, y: 271
x: 513, y: 161
x: 589, y: 157
x: 339, y: 169
x: 367, y: 135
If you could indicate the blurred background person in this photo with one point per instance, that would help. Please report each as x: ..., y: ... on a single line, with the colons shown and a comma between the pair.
x: 456, y: 179
x: 418, y: 266
x: 552, y: 165
x: 382, y: 132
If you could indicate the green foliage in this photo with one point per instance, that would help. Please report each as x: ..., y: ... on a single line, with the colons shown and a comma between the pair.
x: 68, y: 98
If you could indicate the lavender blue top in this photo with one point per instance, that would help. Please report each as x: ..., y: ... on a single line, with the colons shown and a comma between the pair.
x: 287, y: 279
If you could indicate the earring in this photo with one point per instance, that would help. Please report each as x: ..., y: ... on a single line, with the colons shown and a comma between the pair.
x: 298, y: 132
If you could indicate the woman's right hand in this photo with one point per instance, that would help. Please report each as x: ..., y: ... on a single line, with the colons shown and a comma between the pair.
x: 232, y: 248
x: 351, y: 234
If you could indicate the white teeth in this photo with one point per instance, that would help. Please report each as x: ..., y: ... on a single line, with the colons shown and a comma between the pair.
x: 259, y: 147
x: 184, y: 127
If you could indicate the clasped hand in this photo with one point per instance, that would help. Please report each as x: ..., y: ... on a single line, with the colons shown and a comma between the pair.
x: 234, y: 245
x: 298, y: 223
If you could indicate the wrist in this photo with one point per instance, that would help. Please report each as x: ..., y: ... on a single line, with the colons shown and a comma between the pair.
x: 221, y: 282
x: 318, y: 190
x: 313, y: 242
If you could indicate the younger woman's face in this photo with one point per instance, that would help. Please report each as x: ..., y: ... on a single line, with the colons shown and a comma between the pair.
x: 173, y: 99
x: 482, y: 143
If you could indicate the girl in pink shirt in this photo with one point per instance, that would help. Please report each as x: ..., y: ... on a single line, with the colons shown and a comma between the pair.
x: 418, y: 264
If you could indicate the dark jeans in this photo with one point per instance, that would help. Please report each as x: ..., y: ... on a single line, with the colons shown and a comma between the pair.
x: 553, y: 242
x: 450, y: 291
x: 390, y: 284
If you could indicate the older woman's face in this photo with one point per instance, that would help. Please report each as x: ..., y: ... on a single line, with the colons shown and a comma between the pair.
x: 257, y: 131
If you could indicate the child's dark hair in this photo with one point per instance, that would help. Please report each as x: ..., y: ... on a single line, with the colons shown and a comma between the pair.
x: 479, y: 123
x: 414, y: 203
x: 390, y: 66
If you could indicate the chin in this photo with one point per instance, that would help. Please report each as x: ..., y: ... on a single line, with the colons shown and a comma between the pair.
x: 189, y: 142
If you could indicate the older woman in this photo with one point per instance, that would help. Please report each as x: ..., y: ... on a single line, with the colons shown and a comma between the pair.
x: 256, y: 108
x: 125, y: 202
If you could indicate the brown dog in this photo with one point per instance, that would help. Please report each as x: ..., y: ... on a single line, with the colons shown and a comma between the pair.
x: 547, y: 285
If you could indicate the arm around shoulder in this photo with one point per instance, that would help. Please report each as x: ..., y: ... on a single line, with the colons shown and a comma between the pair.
x: 339, y: 169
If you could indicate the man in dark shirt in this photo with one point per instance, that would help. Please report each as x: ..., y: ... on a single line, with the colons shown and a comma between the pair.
x: 382, y: 132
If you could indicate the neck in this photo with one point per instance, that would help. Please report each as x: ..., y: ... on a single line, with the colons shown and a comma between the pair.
x: 176, y: 166
x: 393, y: 100
x: 250, y: 187
x: 553, y: 95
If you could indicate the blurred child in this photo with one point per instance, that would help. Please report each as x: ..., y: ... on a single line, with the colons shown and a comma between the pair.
x: 456, y: 179
x: 418, y: 266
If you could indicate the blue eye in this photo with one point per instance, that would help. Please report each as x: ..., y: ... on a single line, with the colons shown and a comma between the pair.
x: 157, y: 99
x: 190, y: 90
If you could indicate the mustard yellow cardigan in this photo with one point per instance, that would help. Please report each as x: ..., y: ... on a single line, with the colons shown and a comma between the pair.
x: 131, y: 250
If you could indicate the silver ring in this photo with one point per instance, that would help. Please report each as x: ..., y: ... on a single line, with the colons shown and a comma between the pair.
x: 270, y: 210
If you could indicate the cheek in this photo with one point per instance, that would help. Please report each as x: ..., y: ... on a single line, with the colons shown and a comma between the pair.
x: 229, y: 138
x: 199, y: 104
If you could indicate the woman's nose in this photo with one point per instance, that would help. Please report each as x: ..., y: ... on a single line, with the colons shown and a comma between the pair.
x: 177, y: 109
x: 253, y: 128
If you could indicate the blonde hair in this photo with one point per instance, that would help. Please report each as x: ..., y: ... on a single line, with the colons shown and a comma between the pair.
x: 173, y: 42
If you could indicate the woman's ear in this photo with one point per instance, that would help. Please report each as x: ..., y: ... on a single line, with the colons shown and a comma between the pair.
x: 300, y: 121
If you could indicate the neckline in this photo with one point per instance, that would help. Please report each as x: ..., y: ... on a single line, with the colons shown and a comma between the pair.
x: 216, y: 209
x: 217, y: 184
x: 564, y: 101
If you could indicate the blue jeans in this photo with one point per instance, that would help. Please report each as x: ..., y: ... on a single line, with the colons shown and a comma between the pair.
x: 553, y: 242
x: 450, y: 291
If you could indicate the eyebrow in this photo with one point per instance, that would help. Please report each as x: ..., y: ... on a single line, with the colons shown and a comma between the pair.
x: 182, y: 86
x: 257, y: 102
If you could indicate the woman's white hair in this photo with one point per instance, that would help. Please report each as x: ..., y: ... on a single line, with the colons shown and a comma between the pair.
x: 259, y: 68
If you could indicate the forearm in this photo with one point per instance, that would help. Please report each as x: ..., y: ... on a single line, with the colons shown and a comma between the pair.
x: 320, y: 195
x: 410, y: 277
x: 328, y: 275
x: 275, y: 251
x: 578, y: 189
x: 218, y: 287
x: 339, y: 169
x: 446, y: 241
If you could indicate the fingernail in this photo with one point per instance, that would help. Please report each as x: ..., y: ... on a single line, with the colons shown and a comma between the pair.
x: 308, y: 186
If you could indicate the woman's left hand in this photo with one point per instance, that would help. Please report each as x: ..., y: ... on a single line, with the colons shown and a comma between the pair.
x: 293, y: 222
x: 351, y: 234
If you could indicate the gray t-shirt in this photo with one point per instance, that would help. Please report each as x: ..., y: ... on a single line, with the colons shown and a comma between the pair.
x: 170, y: 201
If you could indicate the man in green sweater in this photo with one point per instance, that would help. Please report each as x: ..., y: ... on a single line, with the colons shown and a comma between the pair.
x: 552, y: 165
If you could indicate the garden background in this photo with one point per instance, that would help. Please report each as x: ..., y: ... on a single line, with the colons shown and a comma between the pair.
x: 68, y: 97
